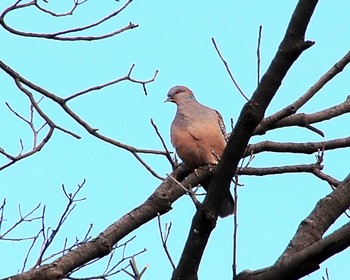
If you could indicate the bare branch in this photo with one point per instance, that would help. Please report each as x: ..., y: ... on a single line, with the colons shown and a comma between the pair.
x: 2, y: 210
x: 312, y: 228
x: 164, y: 238
x: 69, y: 207
x: 315, y: 169
x: 235, y: 228
x: 304, y: 262
x: 228, y: 69
x: 36, y: 147
x: 136, y: 155
x: 295, y: 106
x: 258, y: 54
x: 188, y: 191
x: 263, y: 171
x: 304, y: 120
x: 75, y: 5
x: 65, y: 35
x: 159, y: 202
x: 204, y: 221
x: 303, y: 148
x: 93, y: 131
x: 22, y: 219
x: 168, y: 156
x: 136, y: 274
x: 125, y: 78
x: 323, y: 176
x: 34, y: 239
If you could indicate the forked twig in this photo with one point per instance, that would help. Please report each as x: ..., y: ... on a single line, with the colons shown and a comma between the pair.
x: 136, y: 275
x: 164, y: 238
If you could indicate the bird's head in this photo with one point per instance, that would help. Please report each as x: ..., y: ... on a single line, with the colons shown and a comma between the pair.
x: 179, y: 94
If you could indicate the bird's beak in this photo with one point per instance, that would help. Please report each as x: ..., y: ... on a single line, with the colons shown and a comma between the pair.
x: 169, y: 99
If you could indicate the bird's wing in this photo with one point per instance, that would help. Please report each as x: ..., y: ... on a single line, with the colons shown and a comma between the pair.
x: 222, y: 125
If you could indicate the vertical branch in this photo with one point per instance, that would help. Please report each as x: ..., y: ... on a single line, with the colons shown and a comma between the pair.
x: 235, y: 228
x: 258, y: 54
x: 2, y: 209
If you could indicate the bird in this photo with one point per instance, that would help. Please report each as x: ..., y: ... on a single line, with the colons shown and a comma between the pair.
x: 198, y: 135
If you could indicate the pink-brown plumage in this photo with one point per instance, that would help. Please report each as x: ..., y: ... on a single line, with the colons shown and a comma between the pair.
x: 197, y: 134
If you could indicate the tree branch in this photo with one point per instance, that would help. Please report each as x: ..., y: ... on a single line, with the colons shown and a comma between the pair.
x: 307, y: 250
x: 267, y: 122
x: 204, y: 221
x: 19, y: 80
x: 228, y: 70
x: 158, y: 203
x: 303, y: 120
x: 302, y: 148
x: 63, y: 35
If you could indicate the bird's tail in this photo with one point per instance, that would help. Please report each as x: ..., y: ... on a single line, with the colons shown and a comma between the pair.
x: 228, y: 206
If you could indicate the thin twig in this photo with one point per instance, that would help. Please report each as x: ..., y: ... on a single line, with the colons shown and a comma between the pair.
x: 189, y: 191
x: 22, y: 218
x: 296, y: 105
x: 70, y: 12
x: 63, y: 35
x: 63, y: 103
x: 2, y: 210
x: 228, y: 70
x: 69, y: 207
x: 258, y: 54
x: 127, y: 77
x: 168, y: 156
x: 136, y: 274
x: 164, y: 238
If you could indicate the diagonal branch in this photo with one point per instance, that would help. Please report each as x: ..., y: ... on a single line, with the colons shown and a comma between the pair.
x: 228, y: 70
x: 159, y: 202
x: 312, y: 228
x: 307, y: 119
x: 204, y: 221
x: 93, y: 131
x: 267, y: 122
x: 307, y: 250
x: 305, y: 261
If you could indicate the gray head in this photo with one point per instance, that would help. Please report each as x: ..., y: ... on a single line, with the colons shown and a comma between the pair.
x: 180, y: 94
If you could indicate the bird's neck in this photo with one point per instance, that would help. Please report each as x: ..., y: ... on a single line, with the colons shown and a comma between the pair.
x: 190, y: 99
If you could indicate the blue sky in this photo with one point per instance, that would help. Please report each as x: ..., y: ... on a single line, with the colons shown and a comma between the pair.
x: 174, y: 38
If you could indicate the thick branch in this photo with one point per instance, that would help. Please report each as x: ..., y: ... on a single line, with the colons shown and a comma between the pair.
x: 307, y: 250
x: 313, y: 227
x: 204, y: 221
x: 158, y: 203
x: 304, y: 262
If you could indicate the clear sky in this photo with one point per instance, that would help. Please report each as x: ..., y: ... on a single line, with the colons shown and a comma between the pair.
x: 174, y: 37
